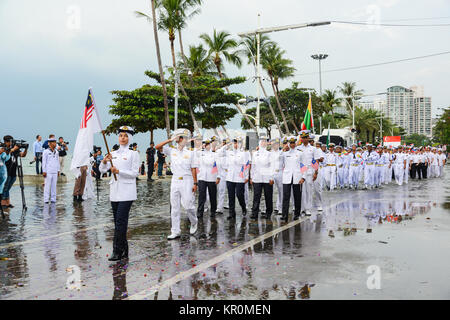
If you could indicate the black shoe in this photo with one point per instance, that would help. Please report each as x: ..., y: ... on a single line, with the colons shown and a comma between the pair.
x: 254, y: 216
x: 199, y: 215
x: 75, y: 198
x: 284, y: 218
x: 296, y: 216
x: 80, y: 198
x: 115, y: 257
x: 231, y: 217
x: 213, y: 214
x: 62, y: 174
x: 244, y: 212
x: 267, y: 216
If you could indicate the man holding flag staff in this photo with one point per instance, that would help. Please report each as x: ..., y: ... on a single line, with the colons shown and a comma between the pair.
x: 124, y: 164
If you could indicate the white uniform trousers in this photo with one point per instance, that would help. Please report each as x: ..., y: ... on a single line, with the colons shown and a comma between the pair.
x: 246, y: 194
x: 340, y: 177
x: 346, y: 174
x: 221, y: 189
x: 399, y: 173
x: 406, y: 174
x: 369, y: 172
x: 353, y: 175
x: 388, y: 174
x: 378, y: 177
x: 441, y: 171
x: 181, y: 195
x: 307, y: 191
x: 278, y: 181
x: 50, y: 187
x: 317, y: 188
x: 330, y: 176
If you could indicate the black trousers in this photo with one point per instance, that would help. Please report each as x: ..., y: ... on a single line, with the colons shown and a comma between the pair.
x: 150, y: 169
x: 121, y: 212
x: 425, y: 171
x: 235, y: 189
x: 414, y: 168
x: 419, y: 170
x: 268, y: 195
x: 287, y: 199
x: 212, y: 190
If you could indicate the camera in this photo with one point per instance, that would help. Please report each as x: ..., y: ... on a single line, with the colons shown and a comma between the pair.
x: 133, y: 145
x: 20, y: 143
x: 96, y: 149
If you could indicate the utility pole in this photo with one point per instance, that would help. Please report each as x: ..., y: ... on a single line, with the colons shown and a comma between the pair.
x: 320, y: 57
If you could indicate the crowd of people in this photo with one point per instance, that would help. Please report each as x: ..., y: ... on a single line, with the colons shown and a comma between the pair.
x: 298, y: 166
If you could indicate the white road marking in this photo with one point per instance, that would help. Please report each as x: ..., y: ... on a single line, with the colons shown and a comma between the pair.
x: 185, y: 274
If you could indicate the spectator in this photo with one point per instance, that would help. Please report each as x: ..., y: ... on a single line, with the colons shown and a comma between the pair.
x: 37, y: 150
x: 150, y: 160
x: 11, y: 167
x: 161, y: 162
x: 62, y: 150
x: 45, y: 145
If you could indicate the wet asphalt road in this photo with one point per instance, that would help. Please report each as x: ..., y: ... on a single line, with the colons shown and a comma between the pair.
x: 409, y: 243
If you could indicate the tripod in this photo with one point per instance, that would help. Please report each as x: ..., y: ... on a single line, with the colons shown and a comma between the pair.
x: 20, y: 175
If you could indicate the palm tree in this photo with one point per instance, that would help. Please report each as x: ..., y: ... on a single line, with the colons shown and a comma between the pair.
x: 199, y: 62
x: 330, y: 101
x: 365, y: 122
x: 348, y: 89
x: 185, y: 14
x: 170, y: 20
x: 250, y: 50
x: 221, y: 46
x: 277, y: 67
x: 158, y: 55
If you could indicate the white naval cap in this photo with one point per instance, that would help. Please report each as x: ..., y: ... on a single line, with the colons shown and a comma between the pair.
x: 126, y: 129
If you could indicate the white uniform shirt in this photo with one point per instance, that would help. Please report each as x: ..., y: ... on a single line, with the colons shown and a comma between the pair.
x: 330, y: 158
x: 182, y: 161
x: 236, y: 162
x: 263, y: 166
x: 127, y: 162
x: 50, y: 161
x: 370, y: 158
x: 442, y: 157
x: 355, y: 159
x: 399, y: 159
x: 435, y: 159
x: 206, y: 160
x: 291, y: 166
x: 308, y: 154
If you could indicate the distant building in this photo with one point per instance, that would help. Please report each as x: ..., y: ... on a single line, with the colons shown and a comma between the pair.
x: 378, y: 105
x: 409, y: 109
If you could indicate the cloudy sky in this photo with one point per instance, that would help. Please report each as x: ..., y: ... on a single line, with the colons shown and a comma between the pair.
x: 52, y: 51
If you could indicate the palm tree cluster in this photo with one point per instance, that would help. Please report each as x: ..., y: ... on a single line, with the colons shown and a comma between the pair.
x: 208, y: 58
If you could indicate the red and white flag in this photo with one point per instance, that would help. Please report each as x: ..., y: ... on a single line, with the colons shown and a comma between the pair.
x: 90, y: 124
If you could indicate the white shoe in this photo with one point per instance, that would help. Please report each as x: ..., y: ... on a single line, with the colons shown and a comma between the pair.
x: 307, y: 213
x: 173, y: 236
x: 319, y: 208
x: 193, y: 229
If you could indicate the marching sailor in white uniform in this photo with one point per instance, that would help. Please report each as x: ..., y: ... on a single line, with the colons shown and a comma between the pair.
x: 262, y: 178
x: 50, y: 170
x: 125, y: 167
x: 184, y: 180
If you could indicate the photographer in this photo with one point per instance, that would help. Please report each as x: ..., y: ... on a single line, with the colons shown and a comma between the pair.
x: 62, y: 150
x: 11, y: 166
x: 37, y: 149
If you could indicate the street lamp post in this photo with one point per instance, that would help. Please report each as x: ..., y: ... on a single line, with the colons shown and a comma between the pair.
x: 320, y: 57
x: 258, y: 33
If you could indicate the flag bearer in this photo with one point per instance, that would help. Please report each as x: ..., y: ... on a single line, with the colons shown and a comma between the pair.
x: 122, y: 192
x: 184, y: 184
x: 262, y: 178
x: 50, y: 170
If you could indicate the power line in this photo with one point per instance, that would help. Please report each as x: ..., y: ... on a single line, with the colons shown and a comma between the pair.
x: 411, y: 19
x: 377, y: 64
x: 393, y: 25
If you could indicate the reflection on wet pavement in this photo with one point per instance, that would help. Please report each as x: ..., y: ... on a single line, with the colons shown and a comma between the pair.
x: 322, y: 256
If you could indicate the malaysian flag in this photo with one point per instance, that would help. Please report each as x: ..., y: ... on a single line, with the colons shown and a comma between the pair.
x: 90, y: 124
x: 214, y: 168
x: 247, y: 165
x: 303, y: 168
x: 315, y: 164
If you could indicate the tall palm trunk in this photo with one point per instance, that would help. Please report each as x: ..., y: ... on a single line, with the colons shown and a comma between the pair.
x: 279, y: 105
x: 237, y: 104
x: 172, y: 47
x: 275, y: 119
x: 161, y: 72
